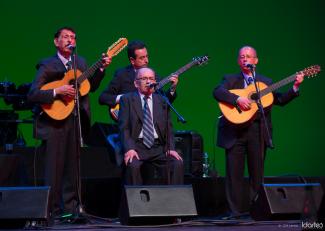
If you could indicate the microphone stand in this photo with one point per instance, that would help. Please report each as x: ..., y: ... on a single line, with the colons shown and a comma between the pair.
x: 179, y: 118
x: 260, y: 108
x: 78, y: 135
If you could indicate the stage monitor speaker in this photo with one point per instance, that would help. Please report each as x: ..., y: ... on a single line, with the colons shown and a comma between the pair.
x: 287, y: 202
x: 8, y: 127
x: 146, y: 205
x: 19, y: 205
x: 189, y: 145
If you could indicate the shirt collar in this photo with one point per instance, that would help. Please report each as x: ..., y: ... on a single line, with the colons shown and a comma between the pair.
x: 247, y: 76
x: 63, y: 59
x: 142, y: 96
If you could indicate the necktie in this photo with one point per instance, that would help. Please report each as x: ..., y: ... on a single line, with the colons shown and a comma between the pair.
x: 249, y: 80
x: 148, y: 133
x: 68, y: 65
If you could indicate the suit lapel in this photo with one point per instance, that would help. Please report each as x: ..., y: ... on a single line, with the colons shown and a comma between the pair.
x: 137, y: 105
x: 156, y: 107
x: 240, y: 82
x: 59, y: 65
x: 157, y: 113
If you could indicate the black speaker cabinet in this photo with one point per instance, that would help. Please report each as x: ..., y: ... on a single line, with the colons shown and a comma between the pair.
x: 189, y: 145
x: 8, y: 127
x: 142, y: 205
x: 21, y: 204
x: 106, y: 135
x: 287, y: 201
x: 99, y: 132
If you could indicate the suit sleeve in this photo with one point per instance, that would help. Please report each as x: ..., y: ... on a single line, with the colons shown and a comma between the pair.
x: 36, y: 95
x: 108, y: 96
x: 222, y: 94
x: 170, y: 133
x: 125, y: 126
x: 282, y: 99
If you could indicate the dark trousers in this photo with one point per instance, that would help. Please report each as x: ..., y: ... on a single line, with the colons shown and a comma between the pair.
x: 62, y: 167
x: 248, y: 145
x: 156, y: 157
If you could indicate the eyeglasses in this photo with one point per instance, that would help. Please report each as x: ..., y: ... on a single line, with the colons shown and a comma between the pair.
x: 146, y: 79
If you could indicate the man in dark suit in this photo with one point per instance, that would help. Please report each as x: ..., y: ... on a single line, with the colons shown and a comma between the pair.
x: 60, y: 142
x: 123, y: 79
x: 250, y: 139
x: 146, y: 132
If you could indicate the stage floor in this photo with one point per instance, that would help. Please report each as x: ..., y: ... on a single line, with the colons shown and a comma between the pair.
x: 193, y: 225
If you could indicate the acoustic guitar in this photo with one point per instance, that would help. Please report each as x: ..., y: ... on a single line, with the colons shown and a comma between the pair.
x: 195, y: 61
x: 237, y: 116
x: 61, y: 107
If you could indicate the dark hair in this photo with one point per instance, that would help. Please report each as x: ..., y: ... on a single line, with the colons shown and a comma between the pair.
x: 135, y: 45
x: 58, y: 32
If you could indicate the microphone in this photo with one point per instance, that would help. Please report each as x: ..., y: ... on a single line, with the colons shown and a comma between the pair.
x: 153, y: 85
x: 71, y: 47
x: 249, y: 65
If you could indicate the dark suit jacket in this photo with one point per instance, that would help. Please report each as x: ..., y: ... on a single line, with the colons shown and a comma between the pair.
x: 131, y: 120
x: 228, y: 132
x: 49, y: 70
x: 122, y: 82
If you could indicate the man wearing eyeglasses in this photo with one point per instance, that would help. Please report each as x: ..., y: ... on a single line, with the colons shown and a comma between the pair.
x: 146, y: 132
x: 247, y: 140
x: 122, y: 81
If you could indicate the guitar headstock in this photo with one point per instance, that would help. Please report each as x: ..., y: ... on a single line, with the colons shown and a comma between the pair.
x: 116, y: 47
x: 311, y: 71
x: 201, y: 60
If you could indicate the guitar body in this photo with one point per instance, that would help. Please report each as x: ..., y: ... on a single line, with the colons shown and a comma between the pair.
x: 234, y: 116
x: 61, y: 108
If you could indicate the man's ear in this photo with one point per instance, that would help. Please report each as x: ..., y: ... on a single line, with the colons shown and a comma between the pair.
x: 56, y: 43
x: 136, y: 83
x: 256, y: 61
x: 132, y: 61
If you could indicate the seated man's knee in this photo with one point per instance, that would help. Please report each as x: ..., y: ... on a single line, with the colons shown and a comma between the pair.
x: 134, y: 166
x: 178, y: 163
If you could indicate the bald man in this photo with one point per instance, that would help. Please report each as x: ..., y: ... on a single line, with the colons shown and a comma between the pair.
x: 146, y: 132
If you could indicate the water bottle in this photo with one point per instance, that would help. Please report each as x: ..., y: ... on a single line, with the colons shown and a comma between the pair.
x: 205, y: 165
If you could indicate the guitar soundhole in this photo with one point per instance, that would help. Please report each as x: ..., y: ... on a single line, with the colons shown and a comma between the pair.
x: 71, y: 82
x: 254, y: 96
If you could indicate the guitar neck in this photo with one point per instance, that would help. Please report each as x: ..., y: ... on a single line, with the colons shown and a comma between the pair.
x: 178, y: 72
x: 90, y: 71
x: 277, y: 85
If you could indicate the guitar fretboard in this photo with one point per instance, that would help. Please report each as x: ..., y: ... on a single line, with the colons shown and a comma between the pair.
x: 178, y: 72
x: 90, y: 71
x: 277, y: 85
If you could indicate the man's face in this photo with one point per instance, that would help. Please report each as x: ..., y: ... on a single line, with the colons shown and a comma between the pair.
x: 247, y: 55
x: 65, y: 38
x: 141, y: 58
x: 144, y: 78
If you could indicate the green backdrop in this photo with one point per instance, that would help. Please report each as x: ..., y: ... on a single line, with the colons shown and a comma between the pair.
x: 288, y: 35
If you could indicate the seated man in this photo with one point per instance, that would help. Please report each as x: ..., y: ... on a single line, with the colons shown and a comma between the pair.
x: 146, y: 132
